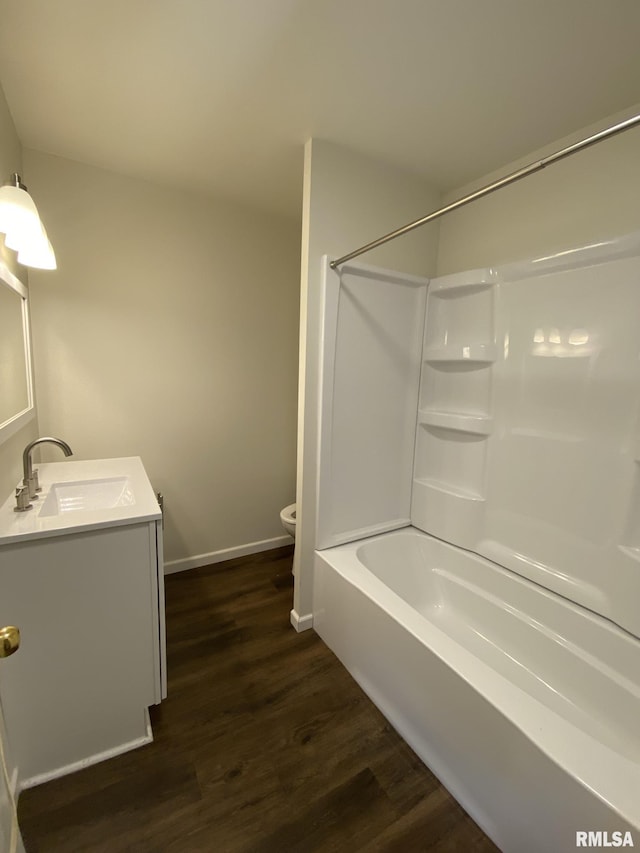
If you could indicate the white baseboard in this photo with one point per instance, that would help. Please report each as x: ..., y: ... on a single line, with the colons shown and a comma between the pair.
x: 301, y: 623
x: 41, y: 778
x: 226, y: 554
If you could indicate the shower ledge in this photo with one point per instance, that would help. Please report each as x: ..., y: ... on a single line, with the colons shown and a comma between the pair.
x: 469, y: 353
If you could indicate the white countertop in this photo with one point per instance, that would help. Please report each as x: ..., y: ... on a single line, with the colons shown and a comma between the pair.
x: 23, y: 526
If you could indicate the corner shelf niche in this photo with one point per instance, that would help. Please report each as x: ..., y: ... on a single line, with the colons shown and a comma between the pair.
x: 449, y: 456
x: 448, y: 512
x: 454, y: 418
x: 462, y: 284
x: 476, y: 424
x: 451, y: 491
x: 472, y: 353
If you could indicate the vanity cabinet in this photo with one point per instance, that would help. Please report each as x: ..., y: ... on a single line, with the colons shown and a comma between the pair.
x: 89, y: 602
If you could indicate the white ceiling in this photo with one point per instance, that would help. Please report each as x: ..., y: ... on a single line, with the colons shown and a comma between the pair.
x: 220, y: 95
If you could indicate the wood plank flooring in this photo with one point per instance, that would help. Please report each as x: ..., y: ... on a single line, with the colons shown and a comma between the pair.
x: 265, y: 745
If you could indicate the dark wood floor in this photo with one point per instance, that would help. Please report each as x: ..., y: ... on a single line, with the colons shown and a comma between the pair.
x: 265, y: 744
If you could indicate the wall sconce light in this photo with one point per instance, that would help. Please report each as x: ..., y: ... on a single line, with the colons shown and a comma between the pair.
x: 21, y: 225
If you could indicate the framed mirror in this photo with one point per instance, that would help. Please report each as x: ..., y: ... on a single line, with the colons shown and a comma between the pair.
x: 17, y: 406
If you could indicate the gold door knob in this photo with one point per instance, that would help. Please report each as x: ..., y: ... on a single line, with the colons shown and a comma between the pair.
x: 9, y: 641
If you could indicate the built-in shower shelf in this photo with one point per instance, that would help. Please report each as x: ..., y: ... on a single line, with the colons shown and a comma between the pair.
x: 475, y: 424
x: 447, y: 489
x: 462, y: 284
x: 464, y: 353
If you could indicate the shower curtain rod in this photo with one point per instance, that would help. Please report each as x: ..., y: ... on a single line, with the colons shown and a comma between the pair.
x: 489, y: 188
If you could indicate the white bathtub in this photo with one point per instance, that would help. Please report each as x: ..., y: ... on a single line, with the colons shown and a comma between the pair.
x: 526, y: 706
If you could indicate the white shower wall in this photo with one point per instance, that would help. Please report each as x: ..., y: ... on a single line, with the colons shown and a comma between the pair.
x: 348, y: 199
x: 373, y: 322
x: 533, y: 460
x: 526, y: 413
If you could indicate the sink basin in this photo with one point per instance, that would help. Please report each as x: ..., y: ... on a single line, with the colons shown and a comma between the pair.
x: 83, y: 494
x: 87, y: 495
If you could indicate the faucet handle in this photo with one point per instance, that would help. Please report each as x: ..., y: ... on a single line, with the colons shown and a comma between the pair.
x: 22, y: 499
x: 29, y: 483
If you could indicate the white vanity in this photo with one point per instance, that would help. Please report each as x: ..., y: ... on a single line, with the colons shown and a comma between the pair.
x: 81, y: 575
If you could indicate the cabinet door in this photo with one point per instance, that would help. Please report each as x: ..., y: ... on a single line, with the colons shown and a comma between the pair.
x: 80, y: 685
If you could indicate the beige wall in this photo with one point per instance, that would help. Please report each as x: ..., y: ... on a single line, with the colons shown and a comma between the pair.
x: 169, y: 331
x: 349, y: 200
x: 590, y: 196
x: 11, y: 161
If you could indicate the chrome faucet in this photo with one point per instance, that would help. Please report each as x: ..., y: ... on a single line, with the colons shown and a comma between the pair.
x: 30, y: 477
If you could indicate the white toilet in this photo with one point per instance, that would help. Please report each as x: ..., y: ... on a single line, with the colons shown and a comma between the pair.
x: 288, y: 519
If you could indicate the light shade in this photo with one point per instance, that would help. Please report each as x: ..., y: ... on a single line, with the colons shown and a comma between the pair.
x: 24, y: 232
x: 38, y: 254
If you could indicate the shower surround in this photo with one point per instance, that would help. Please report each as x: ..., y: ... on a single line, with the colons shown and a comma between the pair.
x: 504, y: 420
